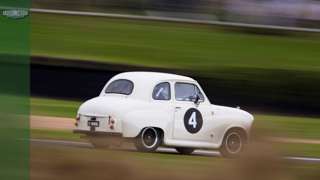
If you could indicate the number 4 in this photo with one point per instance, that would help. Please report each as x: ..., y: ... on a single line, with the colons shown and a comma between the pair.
x: 193, y: 120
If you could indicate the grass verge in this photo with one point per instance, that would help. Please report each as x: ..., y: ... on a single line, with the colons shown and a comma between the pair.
x: 170, y: 45
x: 54, y: 107
x: 54, y: 134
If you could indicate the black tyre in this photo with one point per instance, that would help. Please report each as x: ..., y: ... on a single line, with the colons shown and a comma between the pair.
x: 183, y: 150
x: 233, y: 143
x: 148, y: 140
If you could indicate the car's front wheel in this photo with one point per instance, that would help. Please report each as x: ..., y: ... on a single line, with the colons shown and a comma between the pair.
x: 148, y: 140
x: 233, y: 143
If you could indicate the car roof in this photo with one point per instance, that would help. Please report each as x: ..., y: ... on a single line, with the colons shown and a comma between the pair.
x: 144, y: 82
x: 151, y: 76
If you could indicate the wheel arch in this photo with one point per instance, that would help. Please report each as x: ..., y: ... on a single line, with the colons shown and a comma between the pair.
x: 243, y: 130
x: 143, y: 145
x: 240, y: 129
x: 134, y: 122
x: 159, y: 129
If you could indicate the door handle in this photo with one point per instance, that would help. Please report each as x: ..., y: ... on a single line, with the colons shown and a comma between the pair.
x: 177, y: 108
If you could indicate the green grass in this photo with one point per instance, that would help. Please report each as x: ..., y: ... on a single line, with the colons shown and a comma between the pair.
x: 54, y: 107
x: 295, y: 149
x: 288, y: 126
x: 171, y: 45
x: 54, y: 134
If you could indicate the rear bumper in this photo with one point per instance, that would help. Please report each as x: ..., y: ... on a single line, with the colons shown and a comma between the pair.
x: 97, y: 133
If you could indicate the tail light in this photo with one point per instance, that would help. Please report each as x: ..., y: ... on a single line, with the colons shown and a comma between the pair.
x: 77, y: 120
x: 111, y: 122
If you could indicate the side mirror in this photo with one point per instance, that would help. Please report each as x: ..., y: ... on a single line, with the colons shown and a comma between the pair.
x: 195, y: 99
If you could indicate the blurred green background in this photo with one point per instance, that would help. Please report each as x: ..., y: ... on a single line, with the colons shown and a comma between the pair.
x: 259, y: 67
x: 264, y: 67
x: 202, y: 48
x: 263, y: 70
x: 14, y: 93
x: 273, y: 74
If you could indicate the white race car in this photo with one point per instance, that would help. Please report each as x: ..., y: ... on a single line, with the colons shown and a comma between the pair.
x: 164, y: 109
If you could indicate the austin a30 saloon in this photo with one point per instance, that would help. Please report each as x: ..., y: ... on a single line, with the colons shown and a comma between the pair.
x: 160, y: 109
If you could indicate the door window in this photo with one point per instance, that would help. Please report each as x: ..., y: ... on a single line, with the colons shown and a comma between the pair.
x: 187, y: 92
x: 162, y: 91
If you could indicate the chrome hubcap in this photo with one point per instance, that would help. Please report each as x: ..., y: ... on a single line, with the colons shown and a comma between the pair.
x: 149, y: 137
x: 233, y: 143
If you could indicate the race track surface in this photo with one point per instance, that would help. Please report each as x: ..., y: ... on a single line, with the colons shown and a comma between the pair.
x: 159, y: 150
x: 61, y: 123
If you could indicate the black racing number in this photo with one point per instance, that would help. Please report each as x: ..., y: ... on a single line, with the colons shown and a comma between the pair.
x: 193, y: 120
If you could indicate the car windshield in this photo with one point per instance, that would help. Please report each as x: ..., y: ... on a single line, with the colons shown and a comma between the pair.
x: 121, y: 86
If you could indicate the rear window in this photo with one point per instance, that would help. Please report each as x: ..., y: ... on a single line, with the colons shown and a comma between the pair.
x: 120, y: 86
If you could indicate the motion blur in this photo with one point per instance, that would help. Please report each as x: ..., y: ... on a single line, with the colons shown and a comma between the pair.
x: 261, y: 56
x: 298, y: 13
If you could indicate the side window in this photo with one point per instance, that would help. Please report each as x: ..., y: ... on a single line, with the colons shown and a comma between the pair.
x: 186, y: 91
x: 162, y: 91
x: 120, y: 86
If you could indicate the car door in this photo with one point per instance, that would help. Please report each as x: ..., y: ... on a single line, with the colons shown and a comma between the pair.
x: 192, y: 121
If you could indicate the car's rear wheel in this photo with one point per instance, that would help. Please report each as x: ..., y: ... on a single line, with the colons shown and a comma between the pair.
x: 148, y: 140
x: 233, y: 143
x: 184, y: 150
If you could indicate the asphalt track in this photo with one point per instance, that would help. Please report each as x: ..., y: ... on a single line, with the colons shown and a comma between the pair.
x: 160, y: 150
x: 60, y: 123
